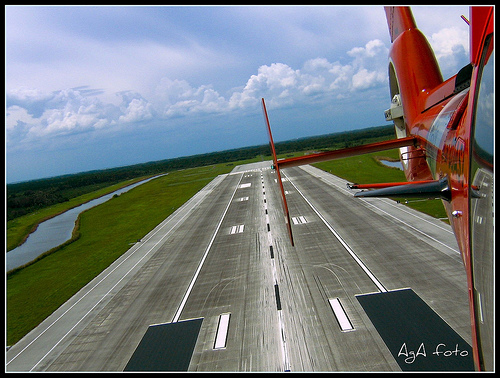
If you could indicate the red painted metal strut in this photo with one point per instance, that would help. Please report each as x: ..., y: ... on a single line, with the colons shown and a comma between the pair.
x: 345, y: 152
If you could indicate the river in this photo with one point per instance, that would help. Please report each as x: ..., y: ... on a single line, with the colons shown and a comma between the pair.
x: 57, y: 230
x: 393, y: 164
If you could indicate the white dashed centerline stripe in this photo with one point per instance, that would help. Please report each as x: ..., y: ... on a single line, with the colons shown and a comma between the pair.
x: 281, y: 323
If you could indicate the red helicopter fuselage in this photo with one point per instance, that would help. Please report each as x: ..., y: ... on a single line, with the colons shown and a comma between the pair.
x: 452, y: 121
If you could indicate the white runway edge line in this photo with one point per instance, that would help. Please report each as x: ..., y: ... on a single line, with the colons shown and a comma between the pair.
x: 344, y: 244
x: 193, y: 280
x: 412, y: 227
x: 98, y: 283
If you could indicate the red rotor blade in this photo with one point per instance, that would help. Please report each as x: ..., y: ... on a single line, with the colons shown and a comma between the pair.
x: 278, y: 174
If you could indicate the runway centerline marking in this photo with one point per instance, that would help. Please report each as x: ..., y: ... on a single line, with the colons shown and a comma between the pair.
x: 281, y: 324
x: 200, y: 265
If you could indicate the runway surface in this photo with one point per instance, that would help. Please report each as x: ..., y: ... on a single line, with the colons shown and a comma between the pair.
x: 225, y: 258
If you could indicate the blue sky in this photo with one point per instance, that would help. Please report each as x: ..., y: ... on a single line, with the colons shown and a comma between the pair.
x: 99, y: 87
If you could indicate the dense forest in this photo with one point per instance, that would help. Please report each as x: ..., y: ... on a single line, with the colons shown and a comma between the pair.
x: 26, y: 197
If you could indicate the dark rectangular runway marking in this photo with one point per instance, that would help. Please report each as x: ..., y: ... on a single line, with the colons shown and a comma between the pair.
x: 418, y: 338
x: 166, y: 347
x: 277, y: 295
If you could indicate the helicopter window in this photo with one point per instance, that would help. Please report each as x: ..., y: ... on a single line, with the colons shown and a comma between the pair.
x: 462, y: 80
x: 484, y: 114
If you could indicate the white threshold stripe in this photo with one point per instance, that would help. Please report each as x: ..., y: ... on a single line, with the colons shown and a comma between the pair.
x: 222, y: 328
x: 338, y: 310
x: 344, y: 244
x: 237, y: 229
x: 299, y: 220
x: 193, y: 280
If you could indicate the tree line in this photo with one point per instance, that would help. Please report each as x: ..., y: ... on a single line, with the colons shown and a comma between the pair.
x: 29, y: 196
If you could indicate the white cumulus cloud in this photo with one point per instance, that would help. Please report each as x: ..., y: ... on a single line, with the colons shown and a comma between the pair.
x: 451, y: 47
x: 137, y: 110
x: 284, y: 85
x: 179, y: 98
x: 33, y: 114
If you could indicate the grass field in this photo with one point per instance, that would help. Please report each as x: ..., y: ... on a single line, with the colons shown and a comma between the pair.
x: 106, y: 231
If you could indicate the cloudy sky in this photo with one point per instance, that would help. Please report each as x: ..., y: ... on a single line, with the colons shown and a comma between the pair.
x: 98, y: 87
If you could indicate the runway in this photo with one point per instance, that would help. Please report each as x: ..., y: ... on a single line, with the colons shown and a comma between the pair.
x: 224, y: 258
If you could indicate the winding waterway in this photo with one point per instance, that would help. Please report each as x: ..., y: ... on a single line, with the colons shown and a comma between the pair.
x: 57, y: 230
x: 393, y: 164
